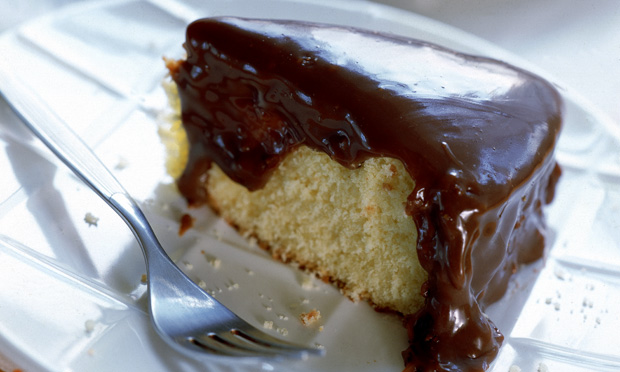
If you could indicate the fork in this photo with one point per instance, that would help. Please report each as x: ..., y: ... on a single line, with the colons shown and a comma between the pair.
x: 185, y: 316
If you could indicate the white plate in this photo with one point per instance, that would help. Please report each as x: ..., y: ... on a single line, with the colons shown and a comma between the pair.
x: 99, y: 66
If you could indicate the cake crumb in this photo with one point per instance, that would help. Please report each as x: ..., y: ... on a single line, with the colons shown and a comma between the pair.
x: 560, y: 274
x: 121, y: 164
x: 143, y: 279
x: 296, y: 305
x: 213, y: 261
x: 186, y: 223
x: 307, y: 283
x: 188, y: 265
x: 282, y: 317
x: 89, y: 325
x: 90, y: 219
x: 282, y: 331
x: 91, y: 352
x: 202, y: 284
x: 310, y: 317
x: 542, y: 367
x: 514, y: 368
x: 268, y: 324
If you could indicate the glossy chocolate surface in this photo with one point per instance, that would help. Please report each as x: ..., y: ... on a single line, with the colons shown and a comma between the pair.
x: 476, y: 135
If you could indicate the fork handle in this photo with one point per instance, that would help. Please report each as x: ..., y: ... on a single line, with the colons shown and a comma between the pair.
x: 157, y: 259
x: 59, y: 137
x: 69, y: 147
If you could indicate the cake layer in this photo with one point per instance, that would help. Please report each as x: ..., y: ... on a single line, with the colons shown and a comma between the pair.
x: 267, y: 100
x: 347, y: 226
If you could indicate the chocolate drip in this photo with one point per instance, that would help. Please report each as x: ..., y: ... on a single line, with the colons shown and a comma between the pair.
x: 476, y: 135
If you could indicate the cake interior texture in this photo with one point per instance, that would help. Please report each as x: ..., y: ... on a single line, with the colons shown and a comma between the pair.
x: 418, y: 186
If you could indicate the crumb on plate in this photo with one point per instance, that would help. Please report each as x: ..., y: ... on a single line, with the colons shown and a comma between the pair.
x: 89, y: 325
x: 310, y: 317
x: 186, y: 223
x: 90, y: 219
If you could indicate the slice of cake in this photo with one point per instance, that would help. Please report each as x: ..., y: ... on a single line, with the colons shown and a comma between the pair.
x: 411, y: 176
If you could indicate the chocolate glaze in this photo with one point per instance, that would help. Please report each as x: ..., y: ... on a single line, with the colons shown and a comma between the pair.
x: 476, y: 135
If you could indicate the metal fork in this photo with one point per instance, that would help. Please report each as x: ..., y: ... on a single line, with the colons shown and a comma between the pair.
x: 184, y: 315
